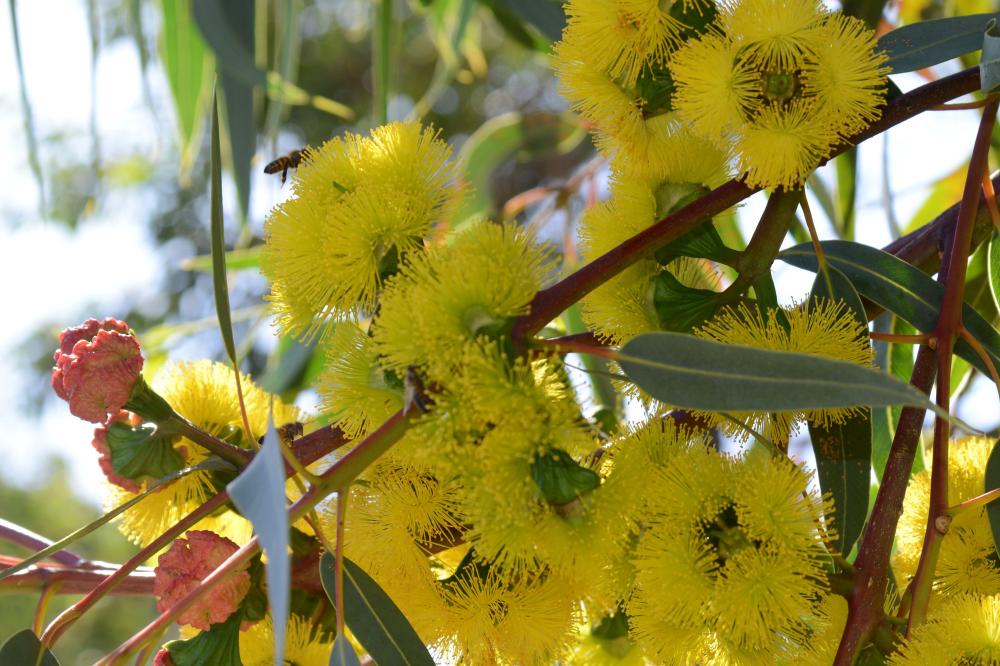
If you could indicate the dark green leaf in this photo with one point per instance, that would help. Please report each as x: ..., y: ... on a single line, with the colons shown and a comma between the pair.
x: 288, y: 365
x: 219, y: 646
x: 994, y: 269
x: 515, y: 27
x: 259, y: 494
x: 900, y: 288
x: 560, y: 479
x: 219, y: 281
x: 373, y: 618
x: 680, y: 308
x: 688, y: 372
x: 545, y: 15
x: 22, y: 649
x: 928, y: 43
x: 343, y: 653
x: 188, y: 66
x: 897, y: 360
x: 703, y: 242
x: 844, y: 451
x: 140, y: 451
x: 993, y: 481
x: 846, y: 166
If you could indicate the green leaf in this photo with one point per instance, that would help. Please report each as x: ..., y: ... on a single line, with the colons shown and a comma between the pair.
x: 22, y: 649
x: 846, y: 166
x: 993, y: 481
x: 259, y: 494
x: 545, y: 15
x: 287, y: 47
x: 560, y: 479
x: 681, y: 308
x: 188, y: 66
x: 897, y: 360
x: 142, y: 451
x: 928, y: 43
x: 844, y: 451
x: 900, y: 288
x: 219, y: 281
x: 288, y: 365
x: 228, y: 26
x: 343, y: 653
x: 691, y: 373
x: 373, y: 618
x: 702, y: 242
x: 219, y: 646
x: 515, y: 27
x: 994, y: 269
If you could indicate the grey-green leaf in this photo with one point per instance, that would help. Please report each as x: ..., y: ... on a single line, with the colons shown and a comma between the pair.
x: 259, y: 494
x: 692, y: 373
x: 373, y: 618
x: 219, y: 281
x: 928, y: 43
x: 343, y: 653
x: 844, y: 451
x: 989, y: 64
x: 900, y: 288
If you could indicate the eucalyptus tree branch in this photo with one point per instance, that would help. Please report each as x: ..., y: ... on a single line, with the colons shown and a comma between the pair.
x: 14, y: 533
x: 73, y: 579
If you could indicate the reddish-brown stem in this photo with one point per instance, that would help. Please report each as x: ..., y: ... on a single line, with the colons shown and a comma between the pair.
x: 66, y: 619
x: 947, y: 330
x: 234, y: 454
x: 977, y: 501
x: 872, y: 563
x: 989, y: 193
x: 163, y: 621
x: 549, y: 303
x: 977, y: 346
x: 72, y: 580
x: 569, y: 345
x: 959, y: 106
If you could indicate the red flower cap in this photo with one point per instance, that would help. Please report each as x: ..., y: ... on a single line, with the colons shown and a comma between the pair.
x: 100, y: 442
x: 163, y: 658
x: 97, y: 366
x: 186, y: 563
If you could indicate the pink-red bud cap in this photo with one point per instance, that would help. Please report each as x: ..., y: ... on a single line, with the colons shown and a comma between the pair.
x: 186, y: 563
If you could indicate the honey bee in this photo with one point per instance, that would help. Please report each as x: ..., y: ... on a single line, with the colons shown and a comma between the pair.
x: 286, y: 162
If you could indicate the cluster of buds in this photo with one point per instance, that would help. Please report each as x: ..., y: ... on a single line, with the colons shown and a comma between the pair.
x: 96, y: 368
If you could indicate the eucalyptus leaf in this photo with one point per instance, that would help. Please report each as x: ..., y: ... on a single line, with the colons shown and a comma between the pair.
x: 991, y: 482
x: 692, y: 373
x: 219, y: 281
x: 844, y: 450
x: 994, y: 269
x: 545, y: 15
x: 22, y: 649
x: 219, y: 646
x: 989, y: 65
x: 343, y: 653
x: 927, y: 43
x: 259, y: 494
x: 373, y: 618
x: 900, y: 288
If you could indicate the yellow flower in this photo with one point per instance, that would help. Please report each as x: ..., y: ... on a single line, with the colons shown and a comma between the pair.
x: 204, y: 393
x: 360, y: 204
x: 784, y: 84
x: 726, y: 558
x: 304, y: 645
x: 821, y: 327
x: 355, y: 389
x: 457, y: 294
x: 967, y: 562
x: 963, y: 630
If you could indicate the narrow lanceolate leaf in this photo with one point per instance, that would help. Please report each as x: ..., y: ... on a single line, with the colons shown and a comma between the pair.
x: 188, y: 66
x: 900, y: 288
x: 691, y: 373
x: 929, y: 43
x: 259, y: 494
x: 993, y: 267
x: 22, y: 649
x: 844, y: 451
x: 343, y: 653
x: 546, y: 15
x: 993, y: 481
x: 219, y: 281
x: 373, y: 618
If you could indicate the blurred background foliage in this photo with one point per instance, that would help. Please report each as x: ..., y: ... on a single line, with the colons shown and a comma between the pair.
x: 291, y: 73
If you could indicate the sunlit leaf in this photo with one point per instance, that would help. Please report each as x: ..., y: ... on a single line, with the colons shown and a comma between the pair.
x: 929, y: 43
x: 373, y: 618
x: 259, y: 494
x: 994, y: 269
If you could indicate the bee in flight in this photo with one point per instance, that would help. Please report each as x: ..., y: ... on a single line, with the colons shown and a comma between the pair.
x: 286, y: 162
